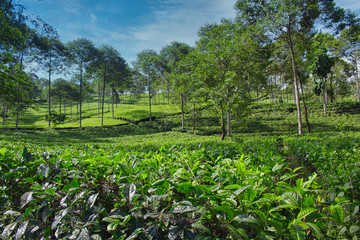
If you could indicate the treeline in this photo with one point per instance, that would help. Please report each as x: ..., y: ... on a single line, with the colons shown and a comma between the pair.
x: 274, y: 49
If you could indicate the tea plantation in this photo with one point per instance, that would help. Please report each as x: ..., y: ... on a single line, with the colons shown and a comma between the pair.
x: 151, y: 181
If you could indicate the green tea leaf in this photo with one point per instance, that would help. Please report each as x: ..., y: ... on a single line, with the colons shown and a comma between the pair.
x: 135, y: 233
x: 316, y: 231
x: 59, y: 217
x: 151, y: 231
x: 237, y: 233
x: 30, y: 180
x: 174, y: 233
x: 26, y: 198
x: 84, y: 235
x: 243, y: 218
x: 129, y: 192
x: 297, y: 232
x: 92, y: 199
x: 50, y: 191
x: 11, y: 213
x: 337, y: 212
x: 305, y: 212
x: 240, y: 190
x: 201, y: 227
x: 43, y: 170
x: 21, y: 230
x: 183, y: 209
x: 225, y: 209
x: 354, y: 229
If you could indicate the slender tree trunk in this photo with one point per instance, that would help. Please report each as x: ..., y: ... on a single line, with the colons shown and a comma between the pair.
x: 112, y: 103
x: 19, y: 90
x: 71, y: 110
x: 103, y: 98
x: 304, y: 105
x: 65, y: 106
x: 130, y: 99
x: 182, y: 112
x: 108, y: 101
x: 294, y: 66
x: 81, y: 80
x: 275, y: 86
x: 60, y: 105
x: 49, y: 85
x: 17, y: 117
x: 331, y: 88
x: 223, y: 132
x: 99, y: 99
x: 324, y: 98
x: 168, y: 95
x: 150, y: 101
x: 194, y: 118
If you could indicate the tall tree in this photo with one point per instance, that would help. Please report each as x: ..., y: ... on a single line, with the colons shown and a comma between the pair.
x: 113, y: 69
x: 82, y: 53
x: 224, y: 57
x: 289, y: 20
x: 145, y: 64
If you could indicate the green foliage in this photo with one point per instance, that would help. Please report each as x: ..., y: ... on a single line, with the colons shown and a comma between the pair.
x: 176, y: 186
x: 55, y: 117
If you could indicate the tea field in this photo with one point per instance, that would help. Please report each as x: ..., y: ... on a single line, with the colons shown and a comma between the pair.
x: 148, y: 182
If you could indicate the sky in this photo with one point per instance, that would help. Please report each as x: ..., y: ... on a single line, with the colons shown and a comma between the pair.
x: 131, y: 26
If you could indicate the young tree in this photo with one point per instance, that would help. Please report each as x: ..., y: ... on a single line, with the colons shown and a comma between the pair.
x: 113, y: 69
x: 224, y: 56
x: 145, y: 64
x: 82, y: 52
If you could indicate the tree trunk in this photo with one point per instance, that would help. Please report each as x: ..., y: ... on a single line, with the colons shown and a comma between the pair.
x: 324, y: 98
x: 305, y: 108
x: 182, y: 112
x: 109, y: 102
x: 103, y: 99
x: 71, y: 109
x: 112, y: 103
x: 168, y: 93
x: 331, y: 88
x: 81, y: 71
x: 60, y: 105
x: 294, y: 66
x: 194, y: 118
x: 129, y: 99
x: 223, y: 132
x: 49, y: 85
x: 99, y: 99
x: 150, y: 102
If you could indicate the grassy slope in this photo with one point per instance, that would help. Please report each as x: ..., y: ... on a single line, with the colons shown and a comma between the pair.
x: 34, y: 118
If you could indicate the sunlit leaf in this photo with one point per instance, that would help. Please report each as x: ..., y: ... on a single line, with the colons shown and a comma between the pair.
x: 26, y: 198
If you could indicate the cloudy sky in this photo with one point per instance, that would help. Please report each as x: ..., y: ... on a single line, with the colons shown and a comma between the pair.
x: 134, y: 25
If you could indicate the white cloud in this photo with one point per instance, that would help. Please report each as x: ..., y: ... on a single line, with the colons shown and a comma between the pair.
x: 177, y: 20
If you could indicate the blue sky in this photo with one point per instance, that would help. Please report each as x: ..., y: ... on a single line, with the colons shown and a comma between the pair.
x: 134, y: 25
x: 131, y: 25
